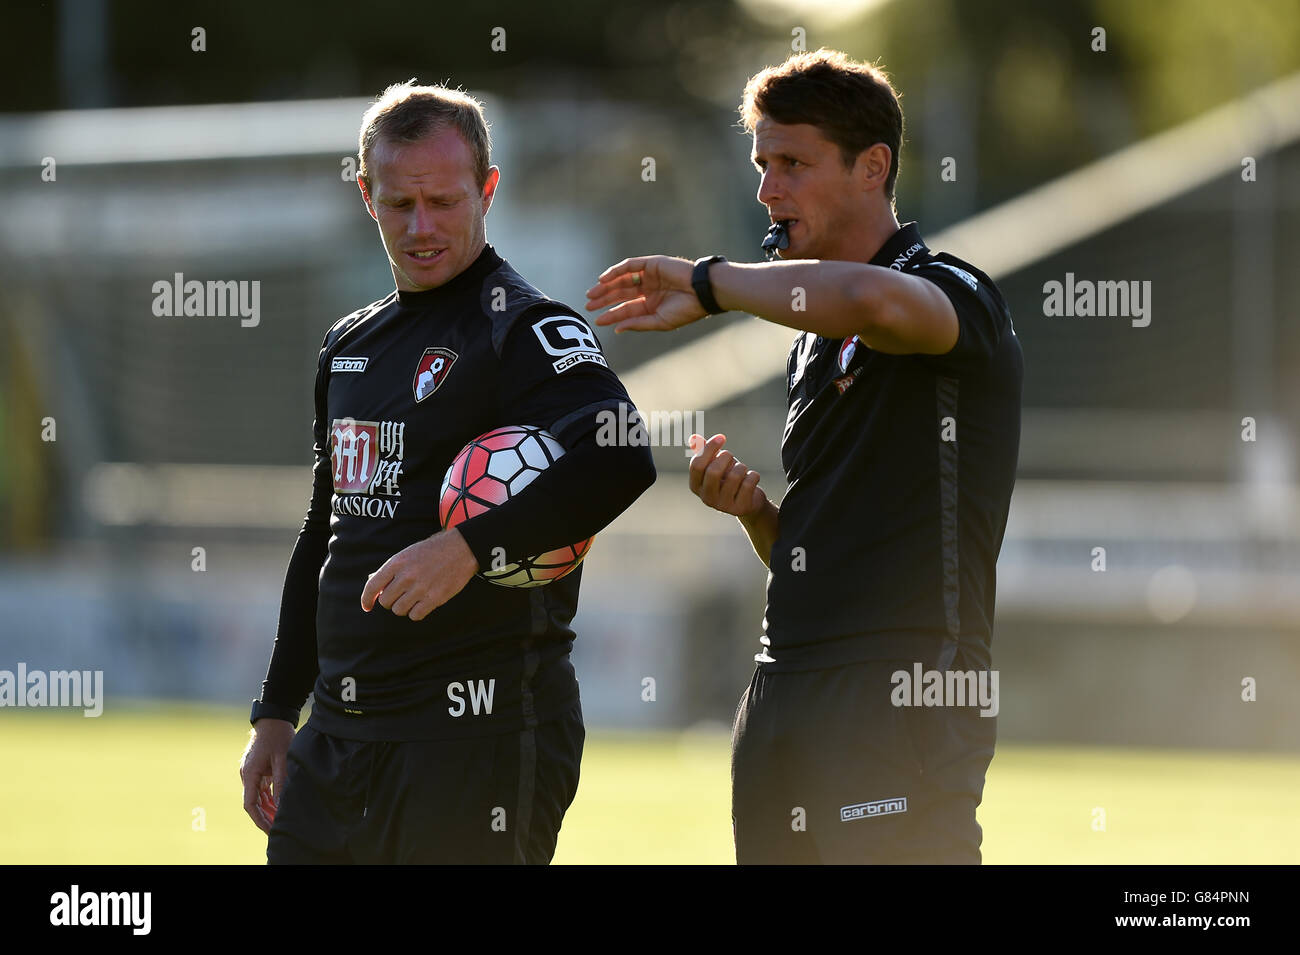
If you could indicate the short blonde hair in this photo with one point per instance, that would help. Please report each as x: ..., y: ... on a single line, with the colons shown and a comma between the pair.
x: 406, y: 113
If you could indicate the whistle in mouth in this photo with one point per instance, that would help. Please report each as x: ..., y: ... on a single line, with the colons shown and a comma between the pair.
x: 778, y: 237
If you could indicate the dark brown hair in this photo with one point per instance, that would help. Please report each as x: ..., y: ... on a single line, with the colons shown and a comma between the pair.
x: 406, y: 113
x: 853, y: 104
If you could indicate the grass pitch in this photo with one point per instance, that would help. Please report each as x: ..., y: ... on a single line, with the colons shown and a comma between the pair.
x: 159, y: 784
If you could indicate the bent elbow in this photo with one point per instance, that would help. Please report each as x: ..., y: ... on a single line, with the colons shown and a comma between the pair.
x: 641, y: 469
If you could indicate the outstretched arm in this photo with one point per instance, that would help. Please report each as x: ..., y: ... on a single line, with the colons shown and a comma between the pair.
x: 889, y: 311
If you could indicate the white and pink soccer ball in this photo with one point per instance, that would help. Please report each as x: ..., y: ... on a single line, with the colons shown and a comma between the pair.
x: 490, y: 470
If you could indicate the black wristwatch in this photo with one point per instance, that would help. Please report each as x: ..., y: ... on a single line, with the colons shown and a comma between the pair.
x: 273, y: 711
x: 703, y: 287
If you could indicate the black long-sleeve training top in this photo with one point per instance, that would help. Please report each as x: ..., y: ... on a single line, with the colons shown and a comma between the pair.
x: 401, y: 386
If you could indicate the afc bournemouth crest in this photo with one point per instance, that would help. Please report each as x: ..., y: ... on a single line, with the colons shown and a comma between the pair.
x: 432, y: 371
x: 846, y: 352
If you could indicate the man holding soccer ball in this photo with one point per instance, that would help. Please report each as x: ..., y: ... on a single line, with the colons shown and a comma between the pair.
x: 446, y: 724
x: 900, y: 449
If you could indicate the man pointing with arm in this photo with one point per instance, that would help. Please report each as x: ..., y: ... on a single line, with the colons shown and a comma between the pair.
x: 899, y: 448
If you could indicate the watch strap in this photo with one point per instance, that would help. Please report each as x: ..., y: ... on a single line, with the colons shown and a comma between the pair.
x: 703, y: 287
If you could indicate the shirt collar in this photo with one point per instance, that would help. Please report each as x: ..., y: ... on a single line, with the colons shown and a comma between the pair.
x: 487, y: 260
x: 901, y: 247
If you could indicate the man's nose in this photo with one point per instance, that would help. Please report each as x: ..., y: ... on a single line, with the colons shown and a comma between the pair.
x: 422, y: 222
x: 768, y: 189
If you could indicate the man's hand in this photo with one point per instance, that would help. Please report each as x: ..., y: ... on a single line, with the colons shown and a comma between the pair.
x: 654, y: 291
x: 262, y: 769
x: 721, y: 481
x: 416, y: 581
x: 726, y: 485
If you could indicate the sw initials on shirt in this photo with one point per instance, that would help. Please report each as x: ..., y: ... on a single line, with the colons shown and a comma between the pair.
x: 480, y: 697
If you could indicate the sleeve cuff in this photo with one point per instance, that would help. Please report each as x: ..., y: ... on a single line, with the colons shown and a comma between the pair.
x: 275, y: 711
x: 477, y: 534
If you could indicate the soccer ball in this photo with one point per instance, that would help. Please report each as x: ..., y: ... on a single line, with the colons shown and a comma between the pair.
x: 490, y: 470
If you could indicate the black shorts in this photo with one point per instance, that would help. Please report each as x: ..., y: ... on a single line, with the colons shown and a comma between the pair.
x: 825, y: 769
x: 489, y: 799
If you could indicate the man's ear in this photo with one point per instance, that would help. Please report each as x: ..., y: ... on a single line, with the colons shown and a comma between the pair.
x: 365, y: 196
x: 872, y: 166
x: 490, y: 187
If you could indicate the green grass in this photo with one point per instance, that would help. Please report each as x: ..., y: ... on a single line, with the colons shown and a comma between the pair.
x: 124, y: 788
